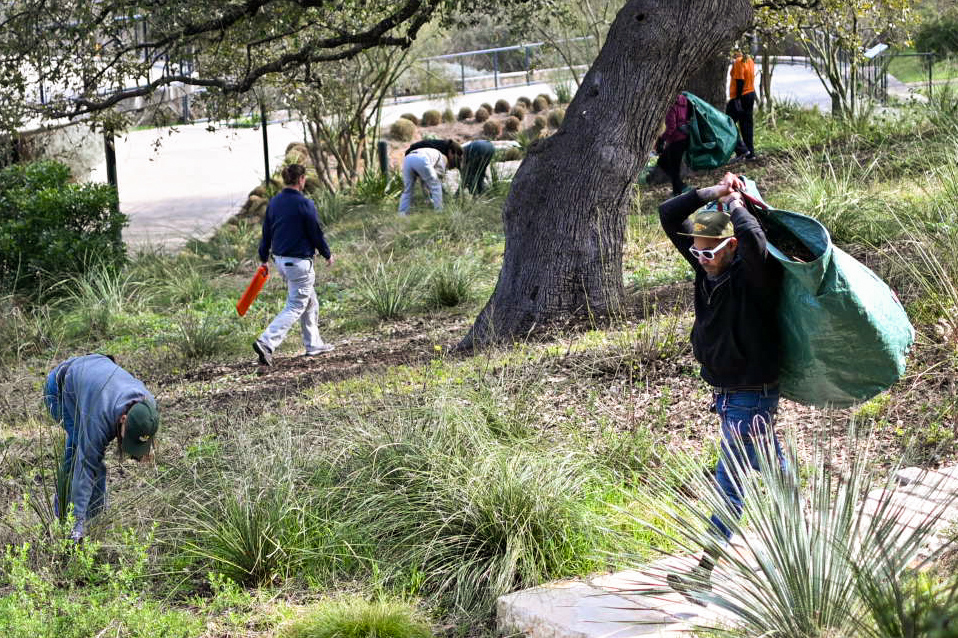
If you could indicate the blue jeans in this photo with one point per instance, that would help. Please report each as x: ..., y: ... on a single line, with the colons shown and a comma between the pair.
x: 747, y: 418
x: 51, y: 397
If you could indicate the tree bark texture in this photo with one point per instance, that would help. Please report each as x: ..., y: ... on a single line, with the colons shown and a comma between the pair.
x: 565, y: 216
x: 710, y: 82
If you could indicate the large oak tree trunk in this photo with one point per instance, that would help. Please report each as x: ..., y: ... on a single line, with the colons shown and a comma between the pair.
x: 565, y: 216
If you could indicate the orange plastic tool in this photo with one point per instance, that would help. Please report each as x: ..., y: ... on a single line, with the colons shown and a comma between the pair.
x: 252, y: 290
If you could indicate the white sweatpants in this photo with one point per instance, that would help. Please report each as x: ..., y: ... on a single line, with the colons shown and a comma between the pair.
x: 416, y: 166
x: 301, y: 303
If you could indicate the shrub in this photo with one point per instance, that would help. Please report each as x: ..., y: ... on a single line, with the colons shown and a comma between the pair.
x: 512, y: 124
x: 525, y: 102
x: 502, y: 106
x: 431, y: 117
x: 354, y: 617
x: 465, y: 113
x: 402, y: 130
x: 518, y: 111
x: 412, y: 118
x: 939, y: 35
x: 491, y: 129
x: 556, y: 116
x: 50, y: 228
x: 539, y: 104
x: 482, y: 114
x: 448, y: 116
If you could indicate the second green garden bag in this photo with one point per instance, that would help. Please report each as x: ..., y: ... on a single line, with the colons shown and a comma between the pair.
x: 845, y: 334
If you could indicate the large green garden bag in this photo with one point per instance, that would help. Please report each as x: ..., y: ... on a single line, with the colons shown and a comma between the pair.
x: 712, y: 135
x: 845, y: 334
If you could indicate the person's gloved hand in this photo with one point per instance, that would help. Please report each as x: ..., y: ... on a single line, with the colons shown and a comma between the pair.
x: 79, y: 531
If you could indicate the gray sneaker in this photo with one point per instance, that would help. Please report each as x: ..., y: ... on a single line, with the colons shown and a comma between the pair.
x: 265, y: 355
x: 323, y: 349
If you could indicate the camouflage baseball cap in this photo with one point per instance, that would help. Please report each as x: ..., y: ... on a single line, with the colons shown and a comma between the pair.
x: 711, y: 223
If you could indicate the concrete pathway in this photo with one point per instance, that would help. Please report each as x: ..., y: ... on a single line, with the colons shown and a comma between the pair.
x: 608, y: 606
x: 186, y: 183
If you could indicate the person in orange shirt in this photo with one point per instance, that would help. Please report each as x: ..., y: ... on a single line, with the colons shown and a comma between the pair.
x: 741, y: 103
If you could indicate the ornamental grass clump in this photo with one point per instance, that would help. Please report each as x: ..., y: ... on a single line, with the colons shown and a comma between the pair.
x: 402, y: 130
x: 502, y: 106
x: 451, y: 283
x: 431, y: 117
x: 518, y: 111
x: 482, y: 114
x: 556, y: 117
x: 356, y: 617
x: 475, y: 516
x: 491, y: 129
x: 391, y: 288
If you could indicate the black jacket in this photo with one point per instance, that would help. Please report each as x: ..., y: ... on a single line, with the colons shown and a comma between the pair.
x: 736, y: 335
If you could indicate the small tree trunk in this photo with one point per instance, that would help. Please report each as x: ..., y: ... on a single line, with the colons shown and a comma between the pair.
x: 565, y: 216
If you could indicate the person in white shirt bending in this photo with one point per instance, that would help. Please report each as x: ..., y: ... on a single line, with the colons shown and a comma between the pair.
x: 427, y: 161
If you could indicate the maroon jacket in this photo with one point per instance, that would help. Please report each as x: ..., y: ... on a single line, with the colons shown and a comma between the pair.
x: 679, y: 114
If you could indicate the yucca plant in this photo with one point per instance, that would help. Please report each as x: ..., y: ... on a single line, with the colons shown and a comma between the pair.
x: 808, y: 549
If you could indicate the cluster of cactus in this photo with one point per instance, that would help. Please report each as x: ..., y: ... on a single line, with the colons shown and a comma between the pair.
x: 465, y: 113
x: 491, y: 129
x: 431, y: 117
x: 412, y: 118
x: 502, y: 106
x: 541, y: 103
x: 486, y: 106
x: 525, y: 103
x: 513, y: 123
x: 402, y: 130
x: 518, y: 111
x: 540, y: 123
x: 482, y: 114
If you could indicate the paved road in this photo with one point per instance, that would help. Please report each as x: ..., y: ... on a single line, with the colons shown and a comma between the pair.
x: 195, y: 179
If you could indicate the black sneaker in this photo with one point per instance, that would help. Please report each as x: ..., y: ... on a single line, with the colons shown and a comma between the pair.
x: 751, y: 157
x: 738, y: 158
x: 265, y: 356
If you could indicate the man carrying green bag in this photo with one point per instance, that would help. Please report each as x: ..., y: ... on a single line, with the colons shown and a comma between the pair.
x: 845, y: 335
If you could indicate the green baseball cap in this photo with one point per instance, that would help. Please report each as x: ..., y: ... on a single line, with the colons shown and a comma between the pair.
x: 711, y: 223
x: 142, y: 422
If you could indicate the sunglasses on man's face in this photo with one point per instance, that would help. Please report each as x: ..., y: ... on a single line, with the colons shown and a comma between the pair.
x: 709, y: 253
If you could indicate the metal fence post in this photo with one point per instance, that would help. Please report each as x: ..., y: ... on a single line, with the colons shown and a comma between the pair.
x: 528, y: 71
x: 462, y: 73
x: 931, y: 66
x: 495, y: 68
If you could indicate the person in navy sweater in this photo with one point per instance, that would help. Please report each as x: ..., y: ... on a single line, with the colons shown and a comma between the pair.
x: 291, y: 231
